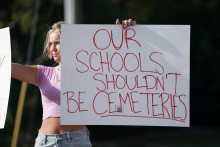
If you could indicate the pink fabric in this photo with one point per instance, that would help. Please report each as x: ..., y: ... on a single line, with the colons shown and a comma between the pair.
x: 49, y: 83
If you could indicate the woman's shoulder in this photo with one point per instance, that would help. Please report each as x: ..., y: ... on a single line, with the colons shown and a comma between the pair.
x: 46, y: 69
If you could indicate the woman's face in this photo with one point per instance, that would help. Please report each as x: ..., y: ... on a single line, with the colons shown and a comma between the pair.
x: 54, y: 46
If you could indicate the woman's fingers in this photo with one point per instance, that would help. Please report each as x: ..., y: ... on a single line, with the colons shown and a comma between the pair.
x: 117, y: 21
x: 133, y: 23
x: 126, y: 23
x: 130, y: 22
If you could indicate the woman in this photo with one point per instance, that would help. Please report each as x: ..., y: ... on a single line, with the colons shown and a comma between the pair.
x: 47, y: 79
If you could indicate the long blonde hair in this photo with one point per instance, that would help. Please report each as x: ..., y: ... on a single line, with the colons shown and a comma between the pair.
x: 55, y: 27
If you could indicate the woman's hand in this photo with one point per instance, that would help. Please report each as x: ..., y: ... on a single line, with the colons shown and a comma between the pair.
x: 126, y: 23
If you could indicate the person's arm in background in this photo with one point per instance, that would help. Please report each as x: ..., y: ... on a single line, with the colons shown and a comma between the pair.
x: 25, y: 73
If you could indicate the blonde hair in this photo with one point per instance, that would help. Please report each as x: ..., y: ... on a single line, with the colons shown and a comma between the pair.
x: 55, y: 27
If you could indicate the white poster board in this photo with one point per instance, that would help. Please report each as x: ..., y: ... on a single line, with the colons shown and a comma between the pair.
x: 5, y: 73
x: 136, y: 76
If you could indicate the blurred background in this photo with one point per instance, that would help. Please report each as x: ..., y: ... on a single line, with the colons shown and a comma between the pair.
x: 202, y: 15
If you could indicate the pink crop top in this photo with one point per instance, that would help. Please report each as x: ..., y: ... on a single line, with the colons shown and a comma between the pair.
x: 49, y: 83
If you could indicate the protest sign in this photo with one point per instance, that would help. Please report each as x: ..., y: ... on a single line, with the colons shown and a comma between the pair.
x: 5, y: 73
x: 133, y: 76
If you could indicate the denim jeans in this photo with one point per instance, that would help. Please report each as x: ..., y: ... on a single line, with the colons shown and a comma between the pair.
x: 79, y: 138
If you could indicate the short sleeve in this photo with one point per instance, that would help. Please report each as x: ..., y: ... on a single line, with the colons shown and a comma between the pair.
x: 40, y: 72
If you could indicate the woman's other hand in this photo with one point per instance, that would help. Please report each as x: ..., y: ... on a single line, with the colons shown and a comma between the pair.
x: 126, y: 23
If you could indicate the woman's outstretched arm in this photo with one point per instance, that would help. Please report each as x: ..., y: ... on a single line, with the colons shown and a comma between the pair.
x: 25, y: 73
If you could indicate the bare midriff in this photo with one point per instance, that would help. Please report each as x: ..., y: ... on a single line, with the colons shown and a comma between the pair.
x: 52, y: 126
